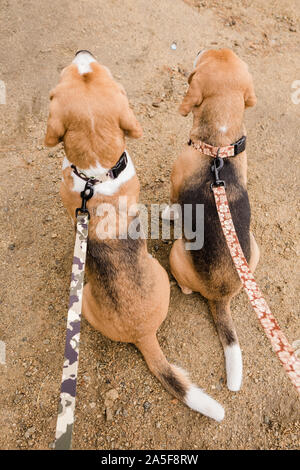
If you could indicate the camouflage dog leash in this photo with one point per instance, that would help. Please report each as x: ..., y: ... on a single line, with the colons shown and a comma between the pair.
x: 66, y: 412
x: 278, y: 340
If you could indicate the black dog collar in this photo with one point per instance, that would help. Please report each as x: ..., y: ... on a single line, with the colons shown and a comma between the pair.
x: 111, y: 174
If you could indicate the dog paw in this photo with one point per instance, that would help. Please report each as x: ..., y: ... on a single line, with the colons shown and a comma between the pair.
x: 186, y: 290
x: 170, y: 213
x: 234, y: 367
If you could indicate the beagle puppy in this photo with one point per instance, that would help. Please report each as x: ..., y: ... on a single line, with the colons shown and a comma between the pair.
x: 127, y: 294
x: 220, y: 88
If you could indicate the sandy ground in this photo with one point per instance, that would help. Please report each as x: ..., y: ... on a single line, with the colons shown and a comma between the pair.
x: 133, y: 38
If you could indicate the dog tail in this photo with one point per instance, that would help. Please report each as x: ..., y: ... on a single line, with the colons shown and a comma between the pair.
x: 176, y: 380
x: 228, y: 337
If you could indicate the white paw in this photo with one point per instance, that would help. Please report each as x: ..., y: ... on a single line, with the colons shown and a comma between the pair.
x: 234, y: 367
x: 170, y: 213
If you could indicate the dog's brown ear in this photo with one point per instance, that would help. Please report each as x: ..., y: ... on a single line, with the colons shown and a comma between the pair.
x: 250, y: 97
x: 128, y: 122
x: 193, y: 96
x: 55, y: 127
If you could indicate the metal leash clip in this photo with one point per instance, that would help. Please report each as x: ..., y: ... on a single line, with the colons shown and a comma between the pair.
x: 85, y: 195
x: 215, y: 168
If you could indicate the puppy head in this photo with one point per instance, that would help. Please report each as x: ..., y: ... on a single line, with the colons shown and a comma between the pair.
x: 85, y: 95
x: 65, y: 97
x: 217, y: 72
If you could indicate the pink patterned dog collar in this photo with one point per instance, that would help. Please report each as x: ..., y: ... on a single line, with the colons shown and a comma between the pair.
x: 222, y: 152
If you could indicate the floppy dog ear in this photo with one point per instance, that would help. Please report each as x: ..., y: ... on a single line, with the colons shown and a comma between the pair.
x: 249, y: 96
x: 128, y: 122
x: 55, y: 126
x: 193, y: 96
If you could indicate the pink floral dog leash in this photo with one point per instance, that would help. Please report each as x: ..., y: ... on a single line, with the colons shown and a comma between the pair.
x: 278, y: 340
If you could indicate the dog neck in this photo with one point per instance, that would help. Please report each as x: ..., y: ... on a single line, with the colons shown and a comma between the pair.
x: 107, y: 188
x: 218, y: 122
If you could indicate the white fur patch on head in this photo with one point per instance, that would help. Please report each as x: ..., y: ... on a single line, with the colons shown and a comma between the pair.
x: 83, y: 60
x: 200, y: 401
x: 223, y: 129
x: 234, y: 367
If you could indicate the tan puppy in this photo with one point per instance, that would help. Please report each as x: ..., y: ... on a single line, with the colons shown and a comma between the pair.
x: 220, y: 88
x: 127, y: 294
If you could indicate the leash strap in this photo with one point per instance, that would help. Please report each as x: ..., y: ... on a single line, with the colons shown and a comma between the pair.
x: 65, y: 419
x: 278, y: 340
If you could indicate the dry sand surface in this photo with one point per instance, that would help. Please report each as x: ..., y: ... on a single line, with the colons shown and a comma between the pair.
x: 133, y: 38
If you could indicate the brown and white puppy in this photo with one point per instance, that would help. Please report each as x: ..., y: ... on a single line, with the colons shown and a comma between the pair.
x: 220, y: 88
x: 127, y: 294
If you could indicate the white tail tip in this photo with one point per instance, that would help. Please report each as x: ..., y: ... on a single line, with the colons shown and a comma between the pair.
x: 200, y: 401
x: 234, y: 367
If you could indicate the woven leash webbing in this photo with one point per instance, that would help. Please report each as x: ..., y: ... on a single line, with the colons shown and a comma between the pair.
x: 278, y: 340
x: 66, y: 412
